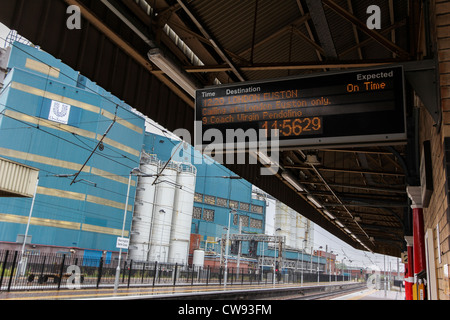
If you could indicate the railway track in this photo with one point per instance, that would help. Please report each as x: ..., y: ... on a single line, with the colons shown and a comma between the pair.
x: 323, y: 295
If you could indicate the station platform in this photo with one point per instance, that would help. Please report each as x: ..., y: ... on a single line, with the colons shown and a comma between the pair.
x: 373, y: 294
x: 167, y: 292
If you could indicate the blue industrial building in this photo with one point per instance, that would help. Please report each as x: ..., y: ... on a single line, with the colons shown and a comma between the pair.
x: 52, y: 118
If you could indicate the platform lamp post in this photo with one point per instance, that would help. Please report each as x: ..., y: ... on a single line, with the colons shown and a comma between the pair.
x: 318, y: 265
x: 22, y: 262
x: 303, y: 250
x: 343, y: 268
x: 232, y: 211
x: 350, y: 270
x: 335, y: 268
x: 225, y: 275
x: 275, y: 259
x: 136, y: 172
x: 262, y: 262
x: 329, y: 263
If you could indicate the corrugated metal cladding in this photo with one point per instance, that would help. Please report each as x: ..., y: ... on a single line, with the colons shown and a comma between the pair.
x: 97, y: 57
x: 17, y: 180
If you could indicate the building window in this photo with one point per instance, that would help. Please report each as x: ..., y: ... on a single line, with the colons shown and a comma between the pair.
x: 222, y: 202
x: 234, y: 204
x: 198, y: 197
x: 244, y: 206
x: 208, y: 215
x: 257, y: 209
x: 197, y: 214
x: 244, y: 220
x: 254, y: 223
x: 210, y: 200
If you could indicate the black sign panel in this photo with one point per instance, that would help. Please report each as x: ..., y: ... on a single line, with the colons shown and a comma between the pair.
x: 345, y: 108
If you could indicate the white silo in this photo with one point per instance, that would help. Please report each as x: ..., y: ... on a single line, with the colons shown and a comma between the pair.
x: 309, y: 233
x: 143, y: 209
x: 282, y: 221
x: 301, y: 229
x: 293, y: 228
x: 182, y: 214
x: 162, y: 217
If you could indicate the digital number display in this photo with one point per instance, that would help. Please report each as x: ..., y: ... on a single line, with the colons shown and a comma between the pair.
x: 293, y: 127
x: 331, y: 108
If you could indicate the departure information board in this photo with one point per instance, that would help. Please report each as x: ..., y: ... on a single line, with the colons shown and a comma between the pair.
x: 345, y: 108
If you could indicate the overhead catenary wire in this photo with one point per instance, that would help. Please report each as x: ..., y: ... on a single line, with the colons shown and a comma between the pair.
x: 96, y: 147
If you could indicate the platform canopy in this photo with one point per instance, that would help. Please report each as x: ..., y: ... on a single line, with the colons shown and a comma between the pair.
x: 200, y: 43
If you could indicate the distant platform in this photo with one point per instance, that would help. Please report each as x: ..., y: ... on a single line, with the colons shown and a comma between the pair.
x: 373, y: 294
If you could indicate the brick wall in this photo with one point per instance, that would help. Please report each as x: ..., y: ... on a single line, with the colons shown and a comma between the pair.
x: 437, y: 215
x: 442, y: 28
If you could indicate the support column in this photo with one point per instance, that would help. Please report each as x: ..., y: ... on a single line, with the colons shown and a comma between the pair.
x: 415, y: 193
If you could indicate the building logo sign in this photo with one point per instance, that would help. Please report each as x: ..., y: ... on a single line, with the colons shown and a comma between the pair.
x: 59, y: 112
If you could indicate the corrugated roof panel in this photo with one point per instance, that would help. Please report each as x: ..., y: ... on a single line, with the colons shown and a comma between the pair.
x: 235, y: 31
x: 342, y: 27
x: 17, y: 180
x: 284, y: 49
x: 341, y: 30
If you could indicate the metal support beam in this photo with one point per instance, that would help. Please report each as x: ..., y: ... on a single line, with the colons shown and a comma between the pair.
x: 255, y: 237
x: 424, y: 78
x: 213, y: 41
x: 278, y: 33
x: 370, y: 205
x: 304, y: 65
x: 382, y: 173
x: 279, y: 240
x: 363, y: 27
x: 121, y: 43
x: 322, y: 28
x: 359, y: 187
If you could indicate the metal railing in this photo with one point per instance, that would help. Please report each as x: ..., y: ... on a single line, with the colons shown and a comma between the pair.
x: 68, y: 271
